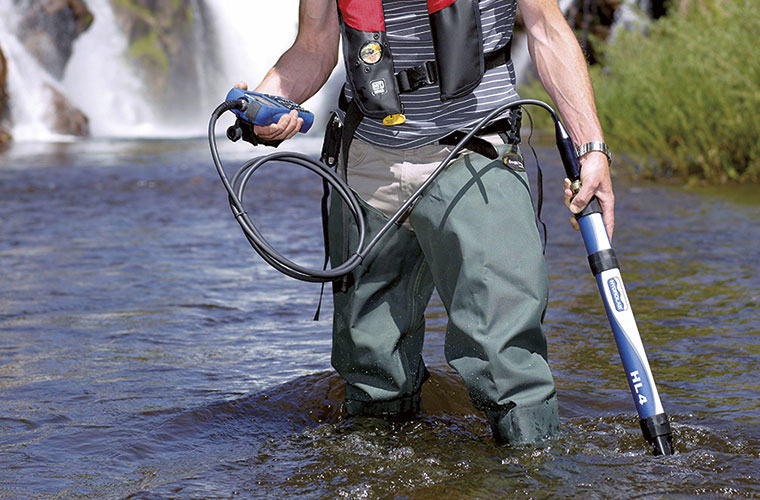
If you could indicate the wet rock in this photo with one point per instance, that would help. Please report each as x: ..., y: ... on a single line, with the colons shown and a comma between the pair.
x: 5, y: 136
x: 592, y: 20
x: 163, y: 46
x: 65, y: 118
x: 48, y: 29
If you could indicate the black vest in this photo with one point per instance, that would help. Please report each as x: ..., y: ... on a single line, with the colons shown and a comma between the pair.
x: 459, y: 59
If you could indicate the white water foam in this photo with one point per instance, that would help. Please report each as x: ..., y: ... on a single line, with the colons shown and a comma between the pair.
x: 251, y: 40
x: 100, y: 81
x: 27, y: 83
x: 246, y: 41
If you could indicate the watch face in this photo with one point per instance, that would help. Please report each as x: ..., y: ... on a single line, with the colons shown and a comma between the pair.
x: 371, y: 53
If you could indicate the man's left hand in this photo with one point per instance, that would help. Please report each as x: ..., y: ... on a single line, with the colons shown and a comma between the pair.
x: 595, y: 181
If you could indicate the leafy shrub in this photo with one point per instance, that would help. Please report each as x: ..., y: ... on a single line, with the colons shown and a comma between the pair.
x: 684, y: 98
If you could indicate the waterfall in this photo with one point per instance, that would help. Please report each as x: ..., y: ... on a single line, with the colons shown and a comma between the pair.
x: 100, y: 82
x: 26, y: 83
x: 99, y: 79
x: 249, y: 42
x: 232, y: 40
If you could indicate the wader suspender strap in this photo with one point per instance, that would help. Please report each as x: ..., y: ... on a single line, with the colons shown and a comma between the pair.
x: 339, y: 158
x: 326, y: 236
x: 329, y: 156
x: 351, y: 122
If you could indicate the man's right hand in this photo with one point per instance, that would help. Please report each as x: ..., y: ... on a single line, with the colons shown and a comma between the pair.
x: 288, y: 125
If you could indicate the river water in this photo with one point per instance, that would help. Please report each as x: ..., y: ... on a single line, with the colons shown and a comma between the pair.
x: 146, y: 352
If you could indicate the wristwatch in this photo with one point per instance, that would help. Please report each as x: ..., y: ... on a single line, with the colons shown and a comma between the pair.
x: 594, y: 146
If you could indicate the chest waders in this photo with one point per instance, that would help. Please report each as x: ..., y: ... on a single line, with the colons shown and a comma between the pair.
x: 384, y: 377
x: 654, y: 422
x: 380, y: 359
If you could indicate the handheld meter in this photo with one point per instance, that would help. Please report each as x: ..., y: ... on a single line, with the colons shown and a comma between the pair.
x: 264, y: 109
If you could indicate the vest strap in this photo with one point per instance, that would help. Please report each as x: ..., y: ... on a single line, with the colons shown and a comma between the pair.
x: 411, y: 79
x: 499, y: 57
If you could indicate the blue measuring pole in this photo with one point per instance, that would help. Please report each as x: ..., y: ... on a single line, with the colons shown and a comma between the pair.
x: 604, y: 265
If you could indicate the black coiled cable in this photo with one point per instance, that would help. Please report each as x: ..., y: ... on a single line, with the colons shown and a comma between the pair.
x: 236, y: 189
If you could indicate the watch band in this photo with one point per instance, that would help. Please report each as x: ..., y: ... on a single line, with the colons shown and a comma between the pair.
x: 594, y: 146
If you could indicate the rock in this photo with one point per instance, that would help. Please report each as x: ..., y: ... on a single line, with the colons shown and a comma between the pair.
x: 160, y: 34
x: 5, y: 136
x: 48, y: 29
x: 592, y: 19
x: 65, y: 118
x: 3, y: 78
x: 157, y: 31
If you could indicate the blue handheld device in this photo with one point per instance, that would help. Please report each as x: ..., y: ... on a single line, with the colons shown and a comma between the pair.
x: 264, y: 109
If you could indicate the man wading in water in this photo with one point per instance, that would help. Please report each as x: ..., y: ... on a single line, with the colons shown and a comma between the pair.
x: 417, y: 73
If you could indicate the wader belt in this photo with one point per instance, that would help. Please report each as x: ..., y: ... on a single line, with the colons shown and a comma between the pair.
x: 507, y: 128
x: 410, y: 80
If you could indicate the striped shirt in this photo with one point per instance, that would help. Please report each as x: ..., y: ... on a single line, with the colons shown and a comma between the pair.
x: 427, y: 118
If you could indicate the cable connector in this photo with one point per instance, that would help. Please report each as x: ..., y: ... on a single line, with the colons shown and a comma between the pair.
x: 243, y: 129
x: 567, y: 152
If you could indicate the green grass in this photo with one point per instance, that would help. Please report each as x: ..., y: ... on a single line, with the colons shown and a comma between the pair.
x: 682, y: 99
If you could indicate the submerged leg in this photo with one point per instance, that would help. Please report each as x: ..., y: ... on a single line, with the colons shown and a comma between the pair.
x: 379, y: 323
x: 477, y: 228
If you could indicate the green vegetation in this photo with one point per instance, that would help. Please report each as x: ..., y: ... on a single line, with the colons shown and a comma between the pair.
x: 138, y: 11
x: 682, y: 99
x: 150, y: 52
x: 159, y: 33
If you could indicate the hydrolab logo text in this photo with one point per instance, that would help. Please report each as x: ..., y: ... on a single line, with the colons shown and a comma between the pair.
x: 616, y: 290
